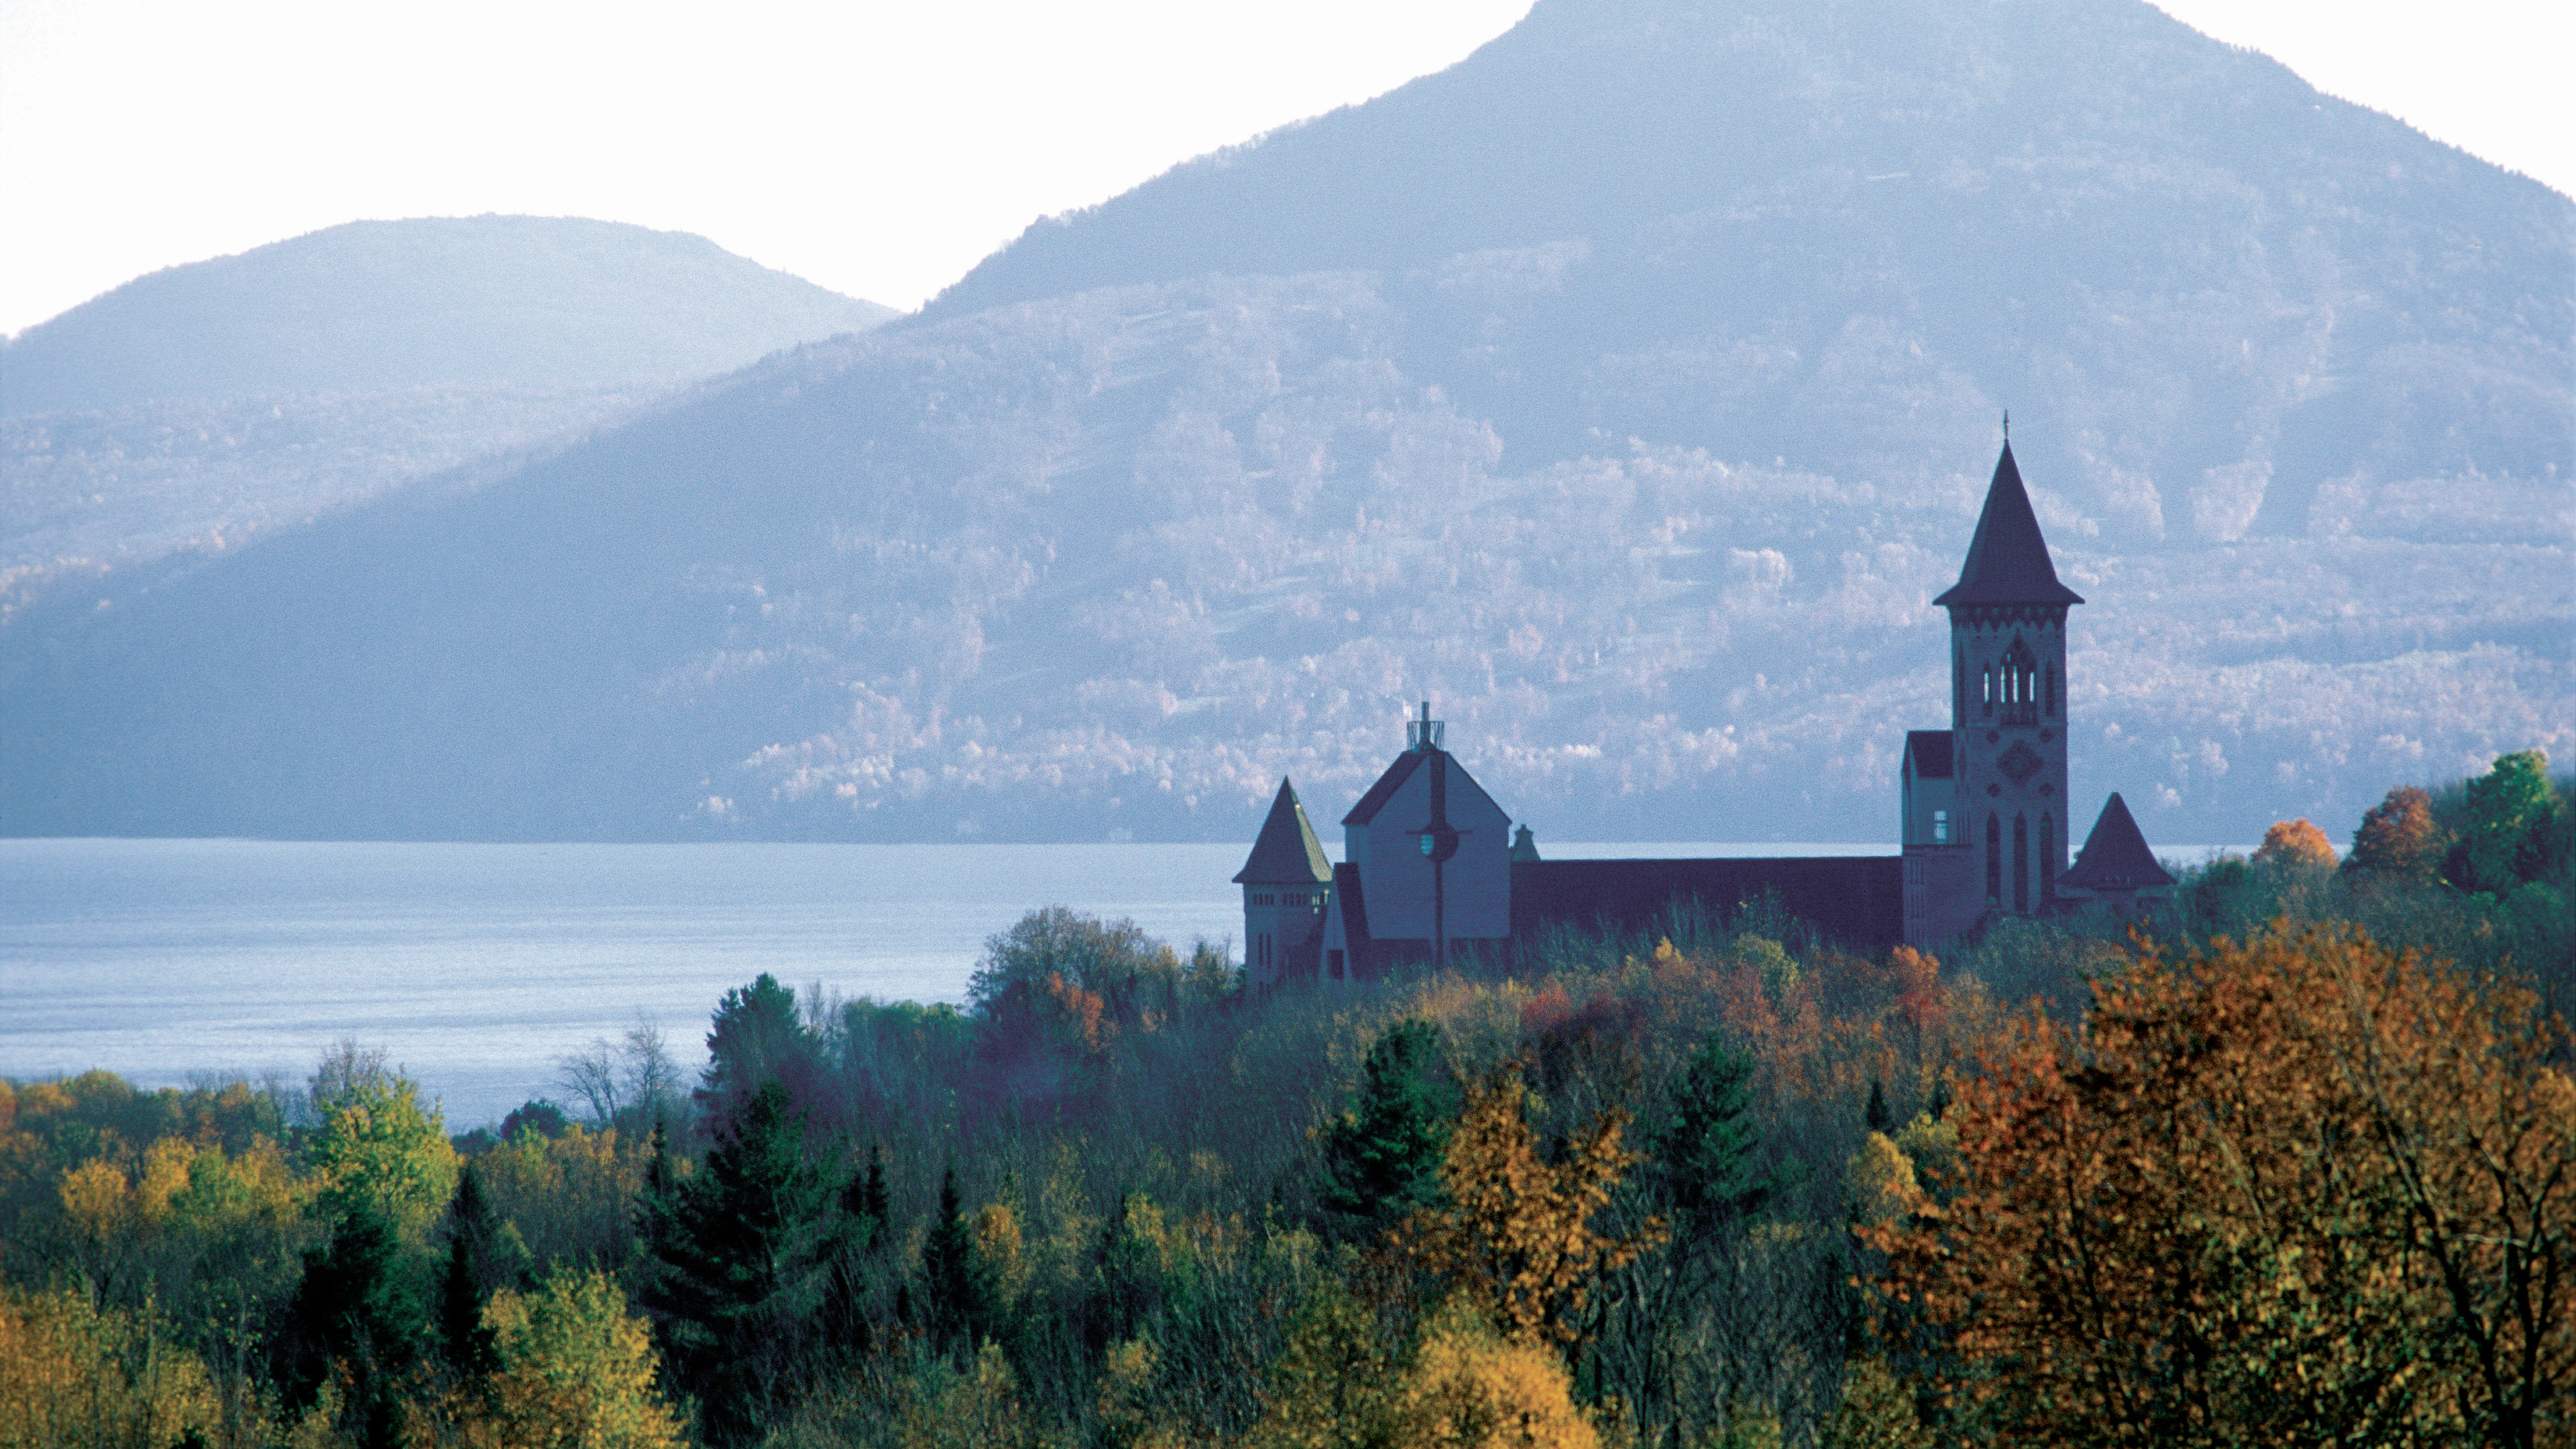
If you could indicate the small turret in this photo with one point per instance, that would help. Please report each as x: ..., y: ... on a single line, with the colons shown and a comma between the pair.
x: 1287, y: 882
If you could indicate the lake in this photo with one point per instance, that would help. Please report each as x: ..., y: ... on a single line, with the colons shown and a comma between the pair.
x: 476, y: 966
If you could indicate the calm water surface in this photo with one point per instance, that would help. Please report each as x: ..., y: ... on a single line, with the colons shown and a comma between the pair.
x: 477, y: 966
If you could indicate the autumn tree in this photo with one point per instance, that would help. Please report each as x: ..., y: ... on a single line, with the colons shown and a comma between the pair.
x: 2295, y: 843
x: 2301, y: 1190
x: 1516, y: 1236
x: 2397, y: 837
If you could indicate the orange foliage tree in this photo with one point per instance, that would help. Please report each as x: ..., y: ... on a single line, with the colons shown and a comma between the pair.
x: 2295, y: 842
x: 2398, y: 836
x: 2300, y: 1190
x: 1516, y: 1235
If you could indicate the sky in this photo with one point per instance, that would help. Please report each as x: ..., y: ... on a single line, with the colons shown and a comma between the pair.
x: 878, y: 149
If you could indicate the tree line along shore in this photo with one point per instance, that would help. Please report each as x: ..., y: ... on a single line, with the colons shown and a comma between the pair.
x: 2292, y: 1162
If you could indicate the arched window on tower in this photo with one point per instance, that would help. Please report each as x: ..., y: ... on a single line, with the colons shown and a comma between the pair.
x: 2047, y: 861
x: 2021, y: 865
x: 2052, y: 691
x: 1994, y: 861
x: 2020, y: 685
x: 1987, y: 674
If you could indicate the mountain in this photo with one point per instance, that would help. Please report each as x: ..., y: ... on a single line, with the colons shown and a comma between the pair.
x: 1613, y: 390
x: 529, y: 301
x: 202, y: 405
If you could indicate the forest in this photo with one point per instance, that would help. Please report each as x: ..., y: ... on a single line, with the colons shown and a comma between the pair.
x: 2291, y: 1163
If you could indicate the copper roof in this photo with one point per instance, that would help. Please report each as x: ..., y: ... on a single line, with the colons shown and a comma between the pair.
x: 2007, y: 559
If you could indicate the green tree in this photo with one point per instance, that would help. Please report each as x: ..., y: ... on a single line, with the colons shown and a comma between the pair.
x: 1709, y: 1150
x: 758, y: 1037
x: 2510, y: 809
x: 732, y: 1251
x: 1382, y: 1157
x: 377, y: 1144
x: 948, y: 1268
x: 357, y: 1311
x: 482, y: 1255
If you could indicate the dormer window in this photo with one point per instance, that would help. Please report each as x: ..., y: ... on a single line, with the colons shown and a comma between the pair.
x: 1940, y: 827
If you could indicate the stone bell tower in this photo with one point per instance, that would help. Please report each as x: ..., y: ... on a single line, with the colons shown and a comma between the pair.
x: 1984, y: 813
x: 2008, y: 701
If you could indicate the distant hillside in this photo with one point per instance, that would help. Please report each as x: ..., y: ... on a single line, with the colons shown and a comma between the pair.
x: 1849, y: 233
x: 1639, y: 446
x: 374, y: 305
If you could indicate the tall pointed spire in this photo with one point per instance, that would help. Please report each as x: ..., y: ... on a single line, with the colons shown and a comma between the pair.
x: 1287, y: 851
x: 2008, y: 561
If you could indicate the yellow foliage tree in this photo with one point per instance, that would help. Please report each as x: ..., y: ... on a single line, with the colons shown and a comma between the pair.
x: 1516, y: 1235
x: 75, y: 1376
x: 1472, y: 1389
x: 577, y: 1372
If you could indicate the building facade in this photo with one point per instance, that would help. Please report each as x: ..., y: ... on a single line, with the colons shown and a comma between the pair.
x: 1430, y: 864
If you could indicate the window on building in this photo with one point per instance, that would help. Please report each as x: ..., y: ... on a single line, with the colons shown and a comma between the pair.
x: 1986, y: 678
x: 2021, y: 865
x: 1994, y: 861
x: 1940, y: 827
x: 2047, y: 860
x: 2052, y: 691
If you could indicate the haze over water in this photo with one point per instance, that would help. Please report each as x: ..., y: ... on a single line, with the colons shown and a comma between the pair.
x: 477, y: 966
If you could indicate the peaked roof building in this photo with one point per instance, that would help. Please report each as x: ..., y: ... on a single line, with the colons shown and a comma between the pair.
x: 2007, y: 561
x: 1287, y: 851
x: 2115, y: 856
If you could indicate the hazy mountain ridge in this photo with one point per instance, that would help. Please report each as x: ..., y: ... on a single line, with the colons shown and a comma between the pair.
x: 1651, y: 503
x: 1115, y: 561
x: 209, y: 402
x: 1818, y: 232
x: 372, y: 306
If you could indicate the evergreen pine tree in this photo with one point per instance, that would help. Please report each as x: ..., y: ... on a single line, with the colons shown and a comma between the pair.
x: 1709, y: 1149
x: 948, y: 1267
x: 729, y: 1248
x: 1382, y: 1158
x: 1876, y: 1113
x: 473, y: 1238
x: 356, y: 1306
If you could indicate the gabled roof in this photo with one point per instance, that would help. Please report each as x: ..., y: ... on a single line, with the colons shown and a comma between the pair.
x: 2115, y: 855
x: 2007, y: 560
x: 1386, y: 786
x: 1930, y: 751
x: 1286, y: 852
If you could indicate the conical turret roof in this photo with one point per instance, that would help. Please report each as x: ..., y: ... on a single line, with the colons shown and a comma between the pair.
x: 2007, y: 560
x: 1286, y: 852
x: 2115, y: 855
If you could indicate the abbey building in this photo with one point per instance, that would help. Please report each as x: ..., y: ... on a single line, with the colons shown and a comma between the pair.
x: 1430, y: 861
